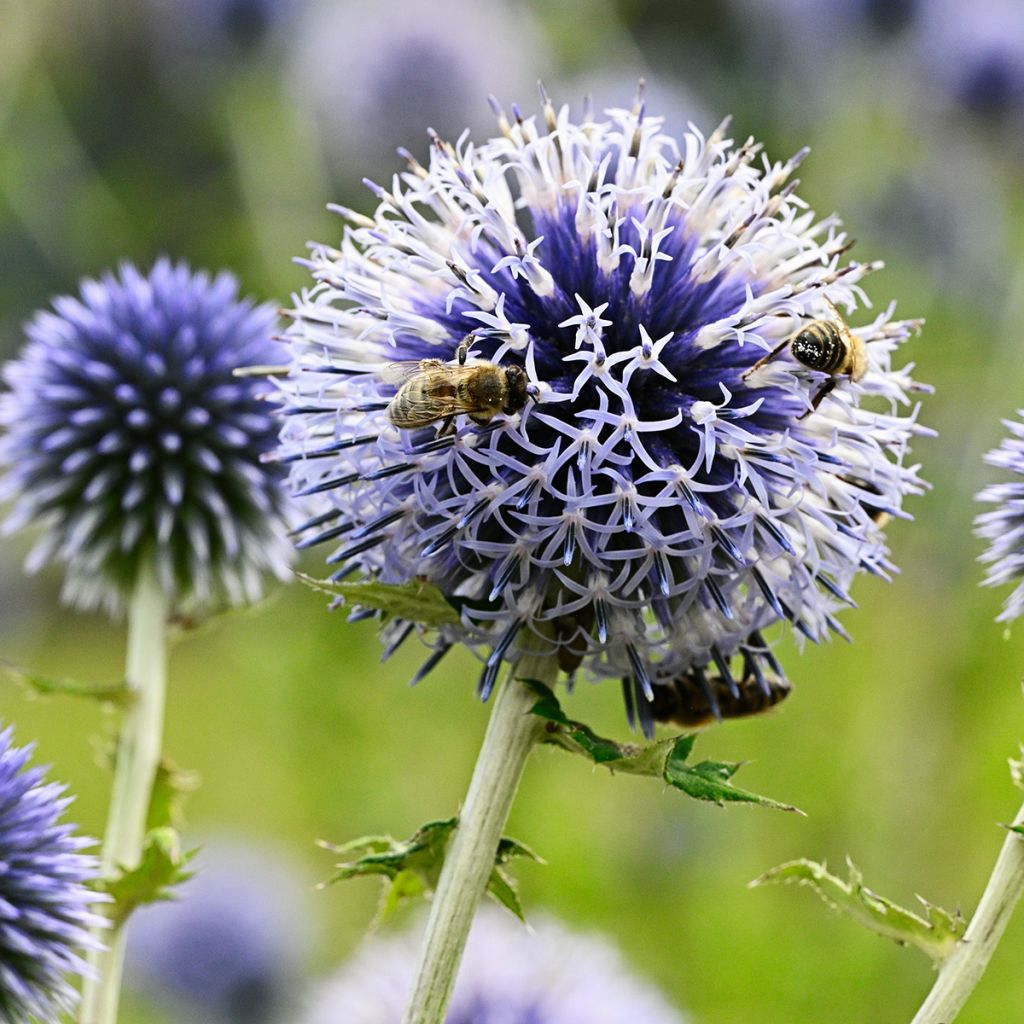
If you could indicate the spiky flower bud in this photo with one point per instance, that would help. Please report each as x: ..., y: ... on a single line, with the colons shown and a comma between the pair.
x: 45, y: 919
x: 545, y: 976
x: 674, y: 479
x: 130, y: 442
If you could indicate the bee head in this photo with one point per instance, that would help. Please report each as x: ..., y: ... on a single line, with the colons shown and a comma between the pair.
x: 516, y: 381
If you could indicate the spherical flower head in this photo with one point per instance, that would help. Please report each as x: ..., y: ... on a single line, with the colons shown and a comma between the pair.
x: 674, y: 479
x: 509, y: 974
x: 227, y: 948
x: 407, y: 65
x: 1003, y: 527
x: 45, y: 919
x: 130, y: 442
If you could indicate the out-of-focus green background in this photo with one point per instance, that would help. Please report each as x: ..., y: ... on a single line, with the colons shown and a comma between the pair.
x: 217, y: 130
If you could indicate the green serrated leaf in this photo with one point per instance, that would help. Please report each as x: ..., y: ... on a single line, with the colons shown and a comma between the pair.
x: 170, y: 787
x: 162, y: 866
x: 413, y: 866
x: 711, y: 780
x: 665, y: 759
x: 416, y: 601
x: 936, y: 934
x: 36, y: 685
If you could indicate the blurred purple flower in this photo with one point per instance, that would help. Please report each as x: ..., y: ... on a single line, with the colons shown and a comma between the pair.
x: 1004, y: 526
x: 375, y: 73
x: 128, y: 439
x: 658, y: 501
x: 509, y: 975
x: 45, y: 919
x: 228, y: 948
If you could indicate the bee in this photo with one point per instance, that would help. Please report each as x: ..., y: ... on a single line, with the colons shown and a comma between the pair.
x: 434, y: 390
x: 692, y: 699
x: 827, y: 345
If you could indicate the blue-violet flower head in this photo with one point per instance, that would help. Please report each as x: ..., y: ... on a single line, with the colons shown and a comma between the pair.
x: 674, y: 480
x: 1003, y: 527
x: 227, y: 949
x: 45, y: 916
x: 546, y: 975
x: 129, y: 440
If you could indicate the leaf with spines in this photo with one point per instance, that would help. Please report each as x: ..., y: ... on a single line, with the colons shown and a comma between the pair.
x: 415, y: 601
x: 170, y: 787
x: 412, y: 866
x: 35, y: 684
x: 162, y: 866
x: 666, y: 759
x: 936, y: 934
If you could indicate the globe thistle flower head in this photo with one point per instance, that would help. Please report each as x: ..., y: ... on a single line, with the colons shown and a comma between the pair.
x: 130, y: 442
x: 542, y: 975
x: 227, y: 948
x: 45, y: 919
x: 677, y: 480
x: 407, y: 65
x: 1003, y: 527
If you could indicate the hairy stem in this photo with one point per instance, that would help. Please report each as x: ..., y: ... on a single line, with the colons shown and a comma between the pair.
x: 511, y: 735
x: 963, y: 969
x: 138, y: 756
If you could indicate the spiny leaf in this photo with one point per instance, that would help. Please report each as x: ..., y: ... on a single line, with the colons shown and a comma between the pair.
x: 666, y: 759
x: 170, y: 787
x: 711, y: 780
x: 415, y: 601
x: 935, y: 934
x: 35, y: 684
x: 413, y: 866
x: 161, y: 868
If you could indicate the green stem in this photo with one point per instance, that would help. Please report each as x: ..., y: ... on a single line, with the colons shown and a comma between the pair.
x: 511, y: 735
x: 963, y: 969
x: 138, y: 757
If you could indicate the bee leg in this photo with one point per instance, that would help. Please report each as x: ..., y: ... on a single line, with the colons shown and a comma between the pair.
x: 824, y: 390
x: 462, y: 352
x: 767, y: 358
x: 447, y: 427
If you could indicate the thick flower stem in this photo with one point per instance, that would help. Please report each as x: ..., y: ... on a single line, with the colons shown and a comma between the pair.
x: 138, y: 756
x: 511, y: 735
x: 963, y: 969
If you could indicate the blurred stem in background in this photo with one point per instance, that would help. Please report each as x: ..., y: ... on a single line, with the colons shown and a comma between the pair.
x: 138, y: 756
x: 962, y: 971
x: 511, y: 734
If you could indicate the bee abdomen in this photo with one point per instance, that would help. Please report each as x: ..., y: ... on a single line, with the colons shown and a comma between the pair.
x: 820, y: 346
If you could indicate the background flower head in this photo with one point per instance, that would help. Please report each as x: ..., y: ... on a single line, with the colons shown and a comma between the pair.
x: 45, y: 919
x: 129, y: 440
x: 407, y: 65
x: 544, y: 975
x: 669, y: 489
x: 1003, y: 527
x: 228, y: 948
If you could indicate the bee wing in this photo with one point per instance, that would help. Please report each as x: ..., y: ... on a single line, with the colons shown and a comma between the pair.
x: 399, y: 372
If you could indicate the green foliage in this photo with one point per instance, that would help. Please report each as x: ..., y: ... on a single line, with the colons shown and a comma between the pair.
x: 170, y: 787
x: 413, y: 866
x: 416, y: 601
x: 666, y: 759
x: 37, y: 685
x: 163, y: 866
x: 936, y: 934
